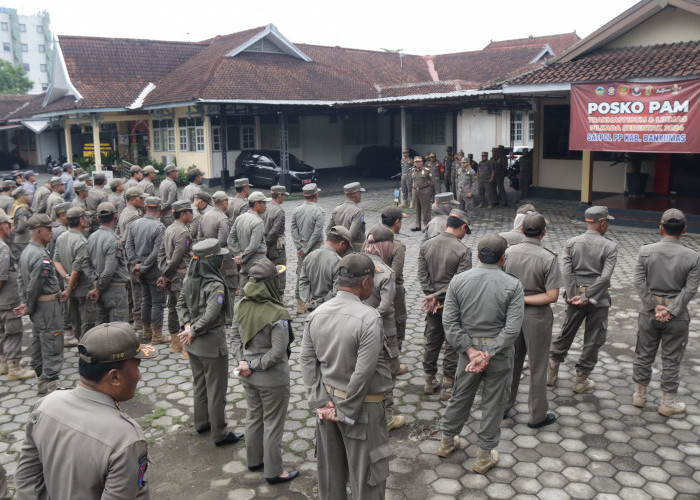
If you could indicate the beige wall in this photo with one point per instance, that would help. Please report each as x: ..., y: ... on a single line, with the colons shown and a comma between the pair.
x: 671, y: 25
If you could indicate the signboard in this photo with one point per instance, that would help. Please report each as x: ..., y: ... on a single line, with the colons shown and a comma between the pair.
x: 636, y: 117
x: 89, y: 149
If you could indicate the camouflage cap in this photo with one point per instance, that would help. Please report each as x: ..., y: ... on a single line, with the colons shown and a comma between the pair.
x: 113, y: 342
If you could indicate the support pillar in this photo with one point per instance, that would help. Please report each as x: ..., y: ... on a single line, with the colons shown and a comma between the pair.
x: 223, y: 123
x: 69, y: 145
x: 403, y: 128
x: 96, y: 144
x: 587, y: 177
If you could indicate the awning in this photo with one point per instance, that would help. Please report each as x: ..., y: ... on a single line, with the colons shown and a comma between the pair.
x: 36, y: 126
x: 11, y: 126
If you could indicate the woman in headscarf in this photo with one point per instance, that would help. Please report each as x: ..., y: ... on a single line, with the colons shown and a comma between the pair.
x: 202, y: 309
x: 262, y: 347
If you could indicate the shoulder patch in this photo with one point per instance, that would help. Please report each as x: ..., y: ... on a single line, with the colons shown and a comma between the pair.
x: 220, y: 298
x: 285, y: 324
x: 188, y: 242
x: 24, y: 218
x: 143, y: 466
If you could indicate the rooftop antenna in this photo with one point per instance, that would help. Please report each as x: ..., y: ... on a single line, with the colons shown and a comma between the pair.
x: 188, y: 36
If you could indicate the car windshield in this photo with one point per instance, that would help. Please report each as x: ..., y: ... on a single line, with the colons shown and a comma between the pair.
x: 294, y: 162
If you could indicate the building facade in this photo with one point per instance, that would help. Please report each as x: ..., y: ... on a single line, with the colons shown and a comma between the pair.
x: 26, y: 41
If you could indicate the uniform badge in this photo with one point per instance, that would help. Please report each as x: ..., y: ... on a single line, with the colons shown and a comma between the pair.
x: 188, y: 242
x: 45, y: 267
x: 285, y: 324
x: 143, y: 466
x: 5, y: 255
x: 24, y: 218
x: 220, y: 298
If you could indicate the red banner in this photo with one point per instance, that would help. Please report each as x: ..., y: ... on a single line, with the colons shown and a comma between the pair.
x: 636, y: 117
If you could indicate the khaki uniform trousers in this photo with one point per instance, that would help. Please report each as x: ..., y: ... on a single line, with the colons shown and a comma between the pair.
x: 136, y: 296
x: 400, y: 315
x: 406, y: 188
x: 264, y: 426
x: 524, y: 181
x: 359, y: 452
x: 10, y: 335
x: 434, y: 338
x: 500, y: 187
x: 82, y: 315
x: 534, y: 340
x: 496, y: 379
x: 278, y: 256
x: 594, y: 335
x: 174, y: 289
x: 152, y: 303
x: 487, y: 192
x: 673, y: 337
x: 210, y: 377
x: 300, y: 263
x: 112, y: 305
x: 422, y: 199
x: 47, y: 339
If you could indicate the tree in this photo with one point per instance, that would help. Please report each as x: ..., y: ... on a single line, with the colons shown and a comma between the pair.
x: 13, y: 79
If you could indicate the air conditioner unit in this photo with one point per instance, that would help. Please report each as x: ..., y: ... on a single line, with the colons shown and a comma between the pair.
x: 167, y: 159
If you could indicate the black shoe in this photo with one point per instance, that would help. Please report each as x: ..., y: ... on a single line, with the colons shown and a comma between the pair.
x: 276, y: 480
x: 505, y: 413
x: 233, y: 437
x: 256, y: 468
x: 549, y: 419
x: 204, y: 429
x: 415, y: 229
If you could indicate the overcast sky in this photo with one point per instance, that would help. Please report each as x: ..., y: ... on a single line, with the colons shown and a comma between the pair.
x: 422, y: 27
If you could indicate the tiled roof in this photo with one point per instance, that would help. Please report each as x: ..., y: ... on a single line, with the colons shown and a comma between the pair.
x: 558, y: 43
x: 11, y: 103
x: 424, y: 88
x: 666, y: 60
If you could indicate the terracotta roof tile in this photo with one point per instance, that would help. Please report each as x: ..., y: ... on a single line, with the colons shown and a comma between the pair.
x: 558, y: 43
x: 10, y: 104
x: 424, y: 88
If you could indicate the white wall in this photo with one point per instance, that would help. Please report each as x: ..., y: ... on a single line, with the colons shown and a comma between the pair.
x: 479, y: 132
x: 321, y: 141
x: 48, y: 145
x: 671, y: 25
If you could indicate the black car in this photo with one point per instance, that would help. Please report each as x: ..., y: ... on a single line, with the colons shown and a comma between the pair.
x: 262, y: 168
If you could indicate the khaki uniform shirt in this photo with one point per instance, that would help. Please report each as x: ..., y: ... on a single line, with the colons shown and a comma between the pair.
x: 118, y: 200
x: 247, y: 236
x: 466, y: 180
x: 95, y: 196
x: 147, y: 187
x: 351, y: 216
x: 51, y: 202
x: 71, y: 253
x: 9, y: 293
x: 194, y: 225
x: 176, y: 250
x: 105, y: 260
x: 483, y: 302
x: 267, y: 351
x: 274, y: 219
x: 397, y: 259
x: 589, y: 261
x: 536, y: 267
x: 486, y: 169
x: 434, y: 167
x: 167, y: 191
x: 37, y: 275
x: 437, y: 225
x: 382, y: 298
x: 131, y: 183
x: 406, y: 166
x: 6, y: 202
x: 80, y: 446
x: 670, y: 270
x: 126, y: 219
x: 21, y: 232
x: 439, y: 260
x: 513, y: 237
x: 206, y: 314
x: 237, y: 205
x: 190, y: 191
x: 143, y: 244
x: 41, y: 196
x: 214, y: 224
x: 422, y: 177
x: 319, y: 276
x: 79, y: 202
x: 307, y: 226
x: 342, y: 347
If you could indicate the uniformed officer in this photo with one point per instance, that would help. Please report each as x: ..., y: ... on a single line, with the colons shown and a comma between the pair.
x: 215, y: 224
x: 20, y: 214
x: 189, y: 191
x: 56, y: 195
x: 435, y: 170
x: 318, y: 280
x: 116, y: 197
x: 61, y: 226
x: 486, y: 177
x: 406, y: 181
x: 204, y: 304
x: 174, y: 256
x: 525, y: 174
x: 202, y: 202
x: 39, y: 296
x: 67, y: 178
x: 350, y: 215
x: 41, y: 195
x: 136, y: 175
x: 466, y: 186
x: 69, y: 259
x: 274, y: 218
x: 103, y: 451
x: 146, y: 184
x: 262, y: 346
x: 142, y: 245
x: 515, y: 235
x: 6, y: 199
x: 10, y: 324
x: 96, y: 196
x: 30, y: 184
x: 239, y: 204
x: 106, y: 263
x: 456, y: 165
x: 167, y: 191
x: 247, y: 237
x: 447, y: 165
x: 307, y: 231
x: 666, y: 276
x: 392, y: 217
x: 60, y: 210
x: 439, y: 260
x: 346, y: 378
x: 500, y: 163
x: 132, y: 212
x: 444, y: 203
x: 589, y: 261
x: 81, y: 191
x: 379, y: 245
x: 538, y: 270
x: 483, y: 333
x: 86, y: 179
x: 422, y: 192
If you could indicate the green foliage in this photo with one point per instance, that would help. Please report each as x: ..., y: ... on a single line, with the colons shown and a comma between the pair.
x: 85, y: 163
x: 13, y: 79
x: 182, y: 175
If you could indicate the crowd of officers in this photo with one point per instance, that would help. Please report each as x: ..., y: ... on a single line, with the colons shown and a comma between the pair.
x: 194, y: 253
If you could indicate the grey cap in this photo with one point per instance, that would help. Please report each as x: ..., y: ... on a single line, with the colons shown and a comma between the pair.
x: 99, y: 177
x: 84, y: 177
x: 598, y: 214
x: 5, y: 219
x: 150, y: 169
x: 393, y: 212
x: 74, y: 212
x: 153, y: 202
x: 79, y: 186
x: 78, y: 171
x: 57, y: 170
x: 497, y: 244
x: 672, y: 215
x: 258, y: 196
x: 170, y: 168
x: 134, y: 192
x: 20, y: 191
x: 534, y: 221
x: 134, y: 169
x: 445, y: 199
x: 62, y: 208
x: 342, y: 232
x: 116, y: 182
x: 242, y: 182
x: 463, y: 216
x: 113, y: 342
x: 56, y: 181
x: 106, y: 208
x: 206, y: 249
x: 356, y: 265
x: 353, y: 187
x: 8, y: 185
x: 525, y: 209
x: 219, y: 196
x: 181, y: 206
x: 310, y: 189
x: 40, y: 220
x: 381, y: 233
x: 264, y: 270
x: 67, y: 165
x: 28, y: 174
x: 203, y: 195
x: 277, y: 189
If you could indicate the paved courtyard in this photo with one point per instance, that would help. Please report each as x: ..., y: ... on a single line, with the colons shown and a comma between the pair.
x: 600, y: 447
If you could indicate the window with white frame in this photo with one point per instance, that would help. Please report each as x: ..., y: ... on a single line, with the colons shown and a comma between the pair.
x: 191, y: 134
x: 43, y: 68
x: 163, y: 135
x: 26, y: 67
x: 240, y: 133
x: 22, y: 28
x: 428, y: 129
x: 516, y: 127
x: 6, y: 47
x: 531, y: 127
x: 5, y: 26
x: 247, y: 136
x: 360, y: 129
x: 42, y: 48
x: 40, y: 29
x: 24, y: 47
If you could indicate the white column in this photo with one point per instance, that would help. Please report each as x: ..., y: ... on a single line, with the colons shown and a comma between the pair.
x: 403, y: 128
x: 96, y: 143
